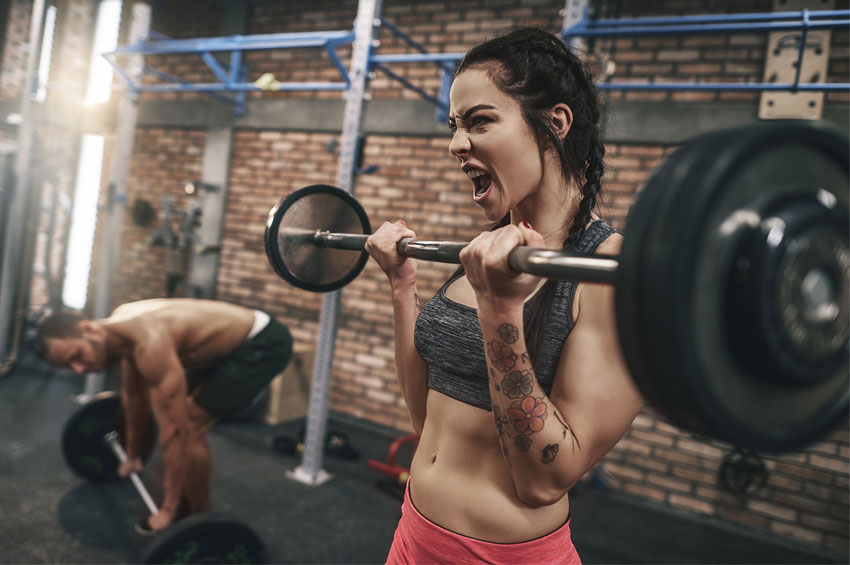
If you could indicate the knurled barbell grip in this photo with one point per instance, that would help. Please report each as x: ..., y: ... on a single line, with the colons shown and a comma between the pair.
x: 563, y: 266
x: 111, y: 440
x: 523, y: 259
x: 543, y: 262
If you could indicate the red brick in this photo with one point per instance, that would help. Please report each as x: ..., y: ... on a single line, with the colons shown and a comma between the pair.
x: 691, y: 503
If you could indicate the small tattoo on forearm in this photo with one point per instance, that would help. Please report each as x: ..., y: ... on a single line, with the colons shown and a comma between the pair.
x: 502, y: 356
x: 522, y: 443
x: 563, y: 423
x: 549, y: 453
x: 501, y: 421
x: 525, y: 357
x: 509, y: 333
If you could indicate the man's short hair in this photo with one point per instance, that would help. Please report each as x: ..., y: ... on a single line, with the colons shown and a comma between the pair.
x: 60, y: 324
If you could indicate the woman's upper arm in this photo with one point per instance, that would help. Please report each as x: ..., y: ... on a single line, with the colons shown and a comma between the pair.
x: 592, y: 387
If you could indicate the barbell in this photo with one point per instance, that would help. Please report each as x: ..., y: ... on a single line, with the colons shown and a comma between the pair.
x: 92, y: 447
x: 732, y: 285
x: 82, y: 437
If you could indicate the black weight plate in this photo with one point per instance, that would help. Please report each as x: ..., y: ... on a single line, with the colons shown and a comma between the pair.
x: 676, y: 263
x: 289, y: 242
x: 83, y: 448
x: 644, y: 337
x: 206, y: 538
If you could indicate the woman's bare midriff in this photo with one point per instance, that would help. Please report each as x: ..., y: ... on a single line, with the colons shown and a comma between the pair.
x: 460, y: 479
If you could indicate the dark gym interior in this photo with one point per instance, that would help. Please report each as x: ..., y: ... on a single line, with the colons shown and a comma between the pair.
x: 118, y: 186
x: 52, y: 516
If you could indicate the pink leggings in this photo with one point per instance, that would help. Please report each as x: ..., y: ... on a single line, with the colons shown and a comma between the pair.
x: 421, y: 541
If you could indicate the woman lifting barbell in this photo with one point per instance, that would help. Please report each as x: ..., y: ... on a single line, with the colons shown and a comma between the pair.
x: 541, y: 357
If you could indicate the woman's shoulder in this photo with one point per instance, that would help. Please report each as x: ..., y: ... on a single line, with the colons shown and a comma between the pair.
x: 611, y: 245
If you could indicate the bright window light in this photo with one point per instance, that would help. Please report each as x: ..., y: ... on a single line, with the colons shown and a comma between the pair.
x: 46, y: 51
x: 105, y: 39
x: 83, y: 221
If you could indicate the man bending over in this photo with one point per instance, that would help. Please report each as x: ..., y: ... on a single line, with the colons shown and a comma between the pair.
x: 187, y: 361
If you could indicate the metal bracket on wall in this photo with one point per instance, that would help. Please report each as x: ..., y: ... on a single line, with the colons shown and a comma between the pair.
x: 793, y: 57
x: 803, y: 22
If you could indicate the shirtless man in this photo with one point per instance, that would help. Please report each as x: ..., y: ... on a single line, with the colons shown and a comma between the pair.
x: 190, y: 362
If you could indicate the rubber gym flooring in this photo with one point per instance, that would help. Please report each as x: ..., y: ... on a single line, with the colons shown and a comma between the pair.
x: 50, y: 515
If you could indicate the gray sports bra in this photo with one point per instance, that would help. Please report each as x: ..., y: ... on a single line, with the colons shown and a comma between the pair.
x: 449, y: 340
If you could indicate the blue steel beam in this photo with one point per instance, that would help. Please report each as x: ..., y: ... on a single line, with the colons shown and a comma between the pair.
x: 180, y: 82
x: 720, y: 18
x: 740, y: 86
x: 684, y: 25
x: 417, y: 58
x: 231, y: 81
x: 239, y: 87
x: 236, y: 42
x: 215, y: 67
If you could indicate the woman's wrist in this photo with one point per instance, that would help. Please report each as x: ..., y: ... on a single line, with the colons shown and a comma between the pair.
x: 403, y: 285
x: 499, y: 310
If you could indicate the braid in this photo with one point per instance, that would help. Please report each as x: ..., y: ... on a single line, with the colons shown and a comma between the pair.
x: 591, y: 193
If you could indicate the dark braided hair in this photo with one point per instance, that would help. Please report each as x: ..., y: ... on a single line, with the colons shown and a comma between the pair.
x: 538, y: 70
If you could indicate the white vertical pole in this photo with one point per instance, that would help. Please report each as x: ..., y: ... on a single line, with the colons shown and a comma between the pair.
x: 117, y: 192
x: 16, y: 223
x: 310, y: 471
x: 574, y: 11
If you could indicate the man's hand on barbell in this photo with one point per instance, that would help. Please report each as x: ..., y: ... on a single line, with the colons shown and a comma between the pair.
x: 130, y: 465
x: 160, y: 520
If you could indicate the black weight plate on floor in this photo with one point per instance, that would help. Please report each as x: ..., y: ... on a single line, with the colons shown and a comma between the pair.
x: 289, y: 238
x: 83, y: 448
x: 206, y: 538
x: 676, y: 265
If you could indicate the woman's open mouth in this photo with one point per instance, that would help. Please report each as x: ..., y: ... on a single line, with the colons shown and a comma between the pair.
x: 481, y: 180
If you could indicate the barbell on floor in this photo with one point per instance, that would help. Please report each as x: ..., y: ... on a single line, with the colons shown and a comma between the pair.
x: 92, y: 446
x: 82, y: 437
x: 732, y: 286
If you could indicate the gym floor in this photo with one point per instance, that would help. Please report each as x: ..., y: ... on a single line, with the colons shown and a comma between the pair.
x: 50, y: 515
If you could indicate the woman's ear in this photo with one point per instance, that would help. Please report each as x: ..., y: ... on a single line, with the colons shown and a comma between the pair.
x: 562, y: 119
x: 86, y: 327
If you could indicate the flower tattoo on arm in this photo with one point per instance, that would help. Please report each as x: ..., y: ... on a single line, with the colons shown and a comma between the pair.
x: 509, y: 333
x: 528, y: 415
x: 502, y: 356
x: 518, y: 383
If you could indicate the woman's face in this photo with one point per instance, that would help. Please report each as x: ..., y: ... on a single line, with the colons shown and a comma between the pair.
x: 495, y: 146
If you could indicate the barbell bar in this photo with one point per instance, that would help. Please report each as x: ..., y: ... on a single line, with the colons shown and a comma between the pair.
x: 543, y: 262
x: 202, y: 538
x: 732, y: 286
x: 111, y: 440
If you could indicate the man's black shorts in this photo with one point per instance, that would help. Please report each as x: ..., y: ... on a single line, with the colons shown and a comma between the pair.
x: 231, y: 386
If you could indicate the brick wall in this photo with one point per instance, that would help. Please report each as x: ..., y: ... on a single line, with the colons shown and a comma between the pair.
x: 163, y: 161
x: 13, y: 67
